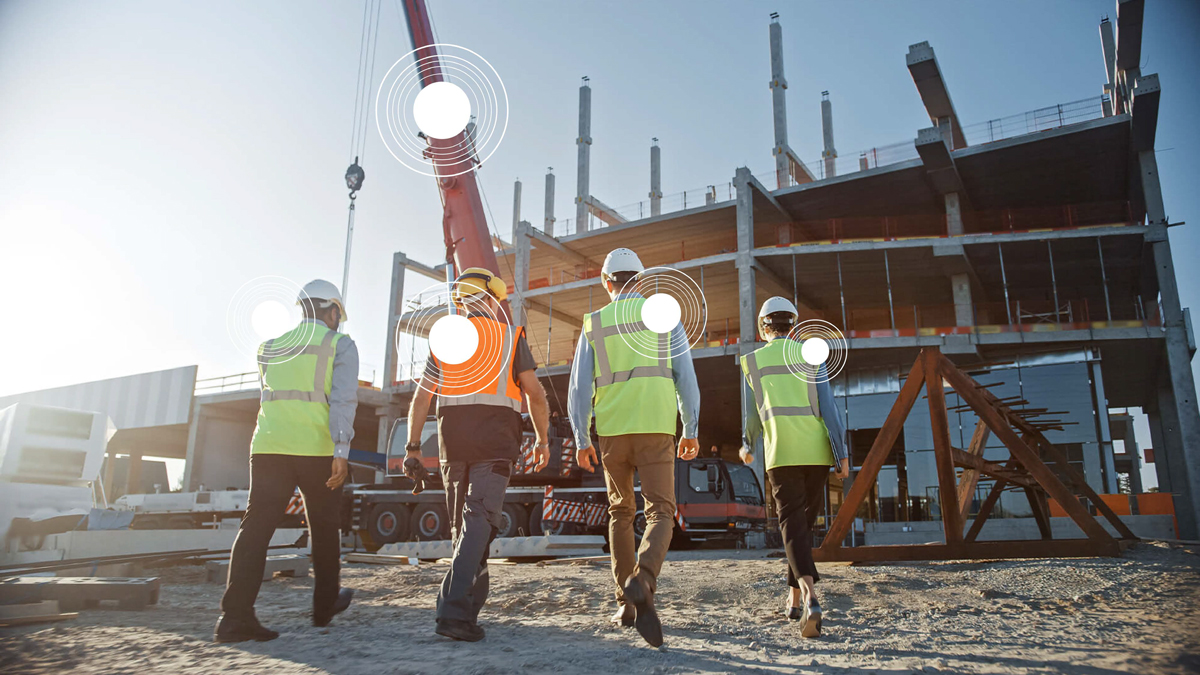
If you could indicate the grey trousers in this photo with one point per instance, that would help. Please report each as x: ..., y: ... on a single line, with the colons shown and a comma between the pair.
x: 474, y: 501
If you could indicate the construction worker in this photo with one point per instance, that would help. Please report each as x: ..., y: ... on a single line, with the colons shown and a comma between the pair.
x: 802, y: 437
x: 479, y: 438
x: 634, y: 397
x: 309, y: 379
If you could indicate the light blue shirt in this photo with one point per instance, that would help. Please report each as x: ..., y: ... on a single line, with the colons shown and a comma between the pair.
x: 343, y: 393
x: 827, y: 404
x: 579, y: 396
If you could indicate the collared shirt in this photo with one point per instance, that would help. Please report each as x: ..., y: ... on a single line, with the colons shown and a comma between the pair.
x: 579, y: 395
x: 830, y: 414
x: 343, y: 393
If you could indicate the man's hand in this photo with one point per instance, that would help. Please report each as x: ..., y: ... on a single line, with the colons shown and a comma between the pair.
x: 341, y: 471
x: 689, y: 448
x: 586, y: 458
x: 745, y: 455
x: 844, y: 469
x: 413, y: 468
x: 542, y: 454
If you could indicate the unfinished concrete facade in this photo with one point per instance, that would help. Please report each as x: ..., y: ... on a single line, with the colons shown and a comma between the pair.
x: 1033, y: 250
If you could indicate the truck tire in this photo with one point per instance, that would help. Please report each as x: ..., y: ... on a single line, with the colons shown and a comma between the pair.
x: 513, y: 521
x: 387, y: 524
x: 429, y: 522
x: 639, y: 525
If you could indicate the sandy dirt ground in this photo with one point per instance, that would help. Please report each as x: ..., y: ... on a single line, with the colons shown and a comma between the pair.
x: 721, y: 612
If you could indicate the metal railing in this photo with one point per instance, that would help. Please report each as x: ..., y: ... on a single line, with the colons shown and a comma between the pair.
x: 227, y: 383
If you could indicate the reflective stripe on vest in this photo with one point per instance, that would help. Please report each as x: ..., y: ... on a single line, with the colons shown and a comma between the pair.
x: 813, y: 409
x: 499, y: 394
x: 634, y: 387
x: 295, y: 370
x: 786, y: 398
x: 324, y: 352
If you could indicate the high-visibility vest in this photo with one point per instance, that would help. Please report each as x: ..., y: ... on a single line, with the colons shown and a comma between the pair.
x: 296, y: 371
x: 793, y: 432
x: 634, y: 392
x: 486, y: 377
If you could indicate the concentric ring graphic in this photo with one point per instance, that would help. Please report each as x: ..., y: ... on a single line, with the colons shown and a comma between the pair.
x: 456, y: 341
x: 263, y: 309
x: 672, y: 298
x: 408, y: 115
x: 811, y: 344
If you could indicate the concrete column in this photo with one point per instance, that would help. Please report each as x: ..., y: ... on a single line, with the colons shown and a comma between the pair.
x: 391, y: 358
x: 133, y: 477
x: 964, y: 312
x: 779, y: 105
x: 830, y: 153
x: 954, y: 221
x: 548, y: 222
x: 516, y: 208
x: 1093, y: 467
x: 1179, y: 403
x: 1108, y: 48
x: 747, y: 312
x: 110, y: 462
x: 521, y: 282
x: 584, y: 143
x: 190, y: 459
x: 655, y: 179
x: 1104, y: 430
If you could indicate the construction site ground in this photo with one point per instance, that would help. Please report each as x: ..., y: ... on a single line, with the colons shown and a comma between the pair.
x: 721, y: 611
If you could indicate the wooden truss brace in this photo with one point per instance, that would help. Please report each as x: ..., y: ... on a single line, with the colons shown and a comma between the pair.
x: 1024, y: 469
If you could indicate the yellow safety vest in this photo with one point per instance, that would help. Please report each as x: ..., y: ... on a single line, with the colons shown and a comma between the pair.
x: 793, y: 432
x: 635, y: 393
x: 296, y: 370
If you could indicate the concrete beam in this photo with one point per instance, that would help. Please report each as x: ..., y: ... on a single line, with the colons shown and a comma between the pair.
x: 536, y: 305
x: 604, y: 212
x: 754, y: 182
x: 1146, y: 94
x: 569, y: 254
x: 935, y: 151
x: 1129, y: 33
x: 595, y: 281
x: 927, y: 75
x: 436, y: 273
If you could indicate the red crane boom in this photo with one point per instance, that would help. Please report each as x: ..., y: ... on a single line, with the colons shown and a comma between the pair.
x: 464, y: 221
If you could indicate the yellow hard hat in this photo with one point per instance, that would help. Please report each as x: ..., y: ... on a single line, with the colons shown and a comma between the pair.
x: 478, y: 280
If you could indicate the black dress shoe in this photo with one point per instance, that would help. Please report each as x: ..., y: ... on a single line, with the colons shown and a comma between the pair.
x: 230, y: 629
x: 637, y: 592
x: 457, y: 629
x: 794, y: 613
x: 624, y: 617
x: 322, y: 619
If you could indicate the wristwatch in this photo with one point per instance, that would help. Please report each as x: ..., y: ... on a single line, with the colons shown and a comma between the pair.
x: 412, y: 448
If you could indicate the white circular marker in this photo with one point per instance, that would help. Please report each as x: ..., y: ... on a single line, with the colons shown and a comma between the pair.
x: 814, y: 351
x: 270, y: 319
x: 453, y: 339
x: 661, y: 313
x: 442, y: 110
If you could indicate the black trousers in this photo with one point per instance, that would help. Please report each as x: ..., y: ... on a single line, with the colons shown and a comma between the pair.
x: 273, y: 481
x: 799, y: 493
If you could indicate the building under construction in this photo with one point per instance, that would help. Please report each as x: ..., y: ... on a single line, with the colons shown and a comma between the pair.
x: 1032, y: 250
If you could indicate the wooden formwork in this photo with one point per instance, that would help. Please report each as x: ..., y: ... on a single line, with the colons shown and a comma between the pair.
x: 1024, y: 469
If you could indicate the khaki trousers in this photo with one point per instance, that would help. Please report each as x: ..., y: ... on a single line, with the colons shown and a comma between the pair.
x: 652, y: 456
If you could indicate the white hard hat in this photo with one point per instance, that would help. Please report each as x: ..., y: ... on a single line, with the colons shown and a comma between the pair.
x: 319, y: 289
x: 621, y: 260
x: 777, y: 304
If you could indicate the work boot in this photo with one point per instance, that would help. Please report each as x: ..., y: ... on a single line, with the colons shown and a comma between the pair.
x: 637, y: 591
x: 322, y: 619
x: 230, y: 629
x: 624, y: 617
x: 457, y: 629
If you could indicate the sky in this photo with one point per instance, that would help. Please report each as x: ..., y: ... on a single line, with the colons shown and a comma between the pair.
x: 158, y: 156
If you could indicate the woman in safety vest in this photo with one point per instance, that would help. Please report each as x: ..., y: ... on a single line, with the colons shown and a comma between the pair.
x: 803, y: 436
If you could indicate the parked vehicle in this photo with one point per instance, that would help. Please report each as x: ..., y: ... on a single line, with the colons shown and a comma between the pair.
x: 716, y: 500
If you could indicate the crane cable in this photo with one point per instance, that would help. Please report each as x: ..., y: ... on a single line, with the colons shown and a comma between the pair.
x: 367, y: 47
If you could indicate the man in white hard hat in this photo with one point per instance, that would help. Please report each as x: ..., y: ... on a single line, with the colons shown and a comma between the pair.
x: 635, y: 397
x: 309, y: 379
x: 801, y: 427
